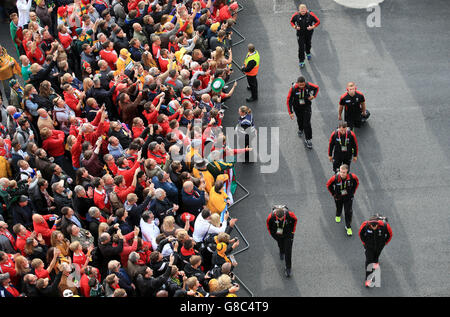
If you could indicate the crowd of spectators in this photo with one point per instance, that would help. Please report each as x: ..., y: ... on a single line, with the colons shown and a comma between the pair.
x: 115, y: 172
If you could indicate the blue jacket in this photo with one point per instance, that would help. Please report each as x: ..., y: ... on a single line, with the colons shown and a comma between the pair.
x: 170, y: 189
x: 193, y: 203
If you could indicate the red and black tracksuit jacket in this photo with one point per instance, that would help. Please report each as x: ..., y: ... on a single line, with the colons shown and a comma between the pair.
x: 303, y: 21
x: 343, y: 188
x: 375, y: 239
x: 288, y: 223
x: 296, y: 94
x: 352, y: 104
x: 343, y: 146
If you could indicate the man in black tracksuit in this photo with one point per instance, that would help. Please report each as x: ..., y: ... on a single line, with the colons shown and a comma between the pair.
x: 299, y: 101
x: 342, y: 187
x: 354, y: 103
x: 374, y: 234
x: 281, y: 224
x: 304, y: 22
x: 342, y: 146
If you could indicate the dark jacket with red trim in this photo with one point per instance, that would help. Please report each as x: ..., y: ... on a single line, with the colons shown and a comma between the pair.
x: 336, y: 185
x: 288, y: 223
x: 352, y: 103
x: 375, y: 239
x: 338, y: 140
x: 295, y: 94
x: 303, y: 21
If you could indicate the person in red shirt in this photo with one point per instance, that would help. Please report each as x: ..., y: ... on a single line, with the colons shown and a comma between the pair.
x: 121, y: 189
x: 157, y: 152
x: 164, y: 60
x: 73, y: 98
x: 78, y: 256
x: 38, y: 265
x: 5, y: 148
x: 163, y: 120
x: 64, y: 37
x: 228, y: 12
x: 7, y: 264
x: 156, y: 47
x: 109, y: 55
x: 127, y: 172
x: 138, y: 127
x: 34, y: 53
x: 40, y: 226
x: 88, y: 273
x: 101, y: 199
x: 127, y: 247
x: 22, y: 235
x: 53, y: 142
x: 6, y: 288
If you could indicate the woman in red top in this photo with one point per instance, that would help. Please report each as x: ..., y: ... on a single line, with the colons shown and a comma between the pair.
x: 108, y: 54
x: 79, y: 257
x: 73, y: 98
x: 64, y: 37
x: 138, y: 127
x: 127, y: 247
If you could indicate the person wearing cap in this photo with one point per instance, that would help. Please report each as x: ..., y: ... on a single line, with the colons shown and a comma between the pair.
x: 124, y: 62
x: 299, y: 102
x: 304, y: 22
x: 281, y: 224
x: 16, y: 94
x: 342, y: 186
x: 23, y: 211
x: 6, y: 288
x: 250, y: 69
x: 375, y: 234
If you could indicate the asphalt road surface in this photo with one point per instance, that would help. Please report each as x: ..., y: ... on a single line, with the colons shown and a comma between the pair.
x: 404, y: 170
x: 402, y: 67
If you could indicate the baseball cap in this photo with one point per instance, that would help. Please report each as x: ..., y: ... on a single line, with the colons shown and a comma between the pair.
x: 124, y: 52
x: 23, y: 198
x: 12, y: 82
x: 217, y: 84
x: 68, y: 293
x: 215, y: 26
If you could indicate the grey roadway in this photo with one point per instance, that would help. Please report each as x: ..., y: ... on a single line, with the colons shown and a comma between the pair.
x: 402, y: 68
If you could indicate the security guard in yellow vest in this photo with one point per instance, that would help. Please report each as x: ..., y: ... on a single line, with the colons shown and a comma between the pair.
x: 250, y: 68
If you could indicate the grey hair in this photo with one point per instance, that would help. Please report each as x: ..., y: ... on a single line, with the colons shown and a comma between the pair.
x: 159, y: 192
x: 78, y: 189
x: 133, y: 257
x: 103, y: 237
x: 92, y: 211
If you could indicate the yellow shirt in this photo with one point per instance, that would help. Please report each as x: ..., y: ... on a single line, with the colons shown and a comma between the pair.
x: 217, y: 201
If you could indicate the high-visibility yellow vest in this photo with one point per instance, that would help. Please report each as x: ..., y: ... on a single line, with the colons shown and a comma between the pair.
x: 253, y: 57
